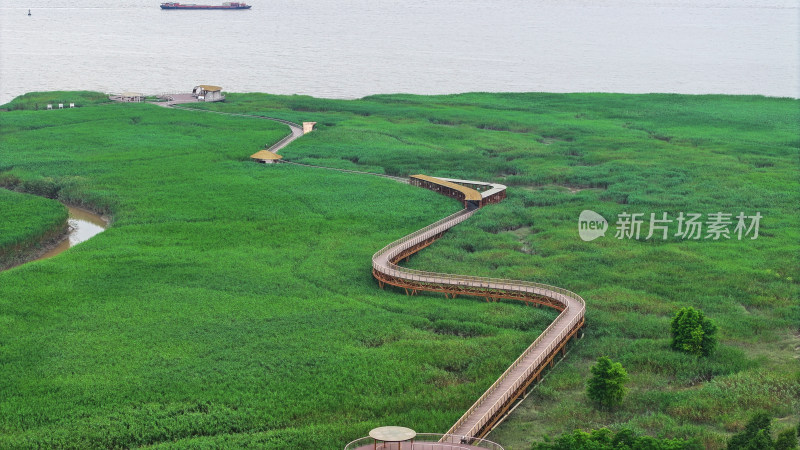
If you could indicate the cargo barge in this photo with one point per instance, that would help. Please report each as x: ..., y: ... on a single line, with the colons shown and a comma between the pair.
x: 226, y: 5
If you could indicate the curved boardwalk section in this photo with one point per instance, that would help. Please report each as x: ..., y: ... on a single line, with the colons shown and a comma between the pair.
x: 484, y: 414
x: 498, y: 399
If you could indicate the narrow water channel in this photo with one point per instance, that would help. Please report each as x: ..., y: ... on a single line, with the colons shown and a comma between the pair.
x: 83, y: 225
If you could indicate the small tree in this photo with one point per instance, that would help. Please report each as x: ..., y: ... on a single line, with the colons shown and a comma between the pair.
x: 606, y: 387
x: 693, y: 333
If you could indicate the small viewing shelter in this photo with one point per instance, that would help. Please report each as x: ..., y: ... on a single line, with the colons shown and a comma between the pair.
x: 390, y: 435
x: 131, y: 97
x: 401, y: 438
x: 468, y: 196
x: 265, y: 157
x: 308, y: 127
x: 208, y: 93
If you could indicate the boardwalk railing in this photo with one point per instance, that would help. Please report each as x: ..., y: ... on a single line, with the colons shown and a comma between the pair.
x: 510, y: 383
x: 278, y: 145
x: 511, y: 390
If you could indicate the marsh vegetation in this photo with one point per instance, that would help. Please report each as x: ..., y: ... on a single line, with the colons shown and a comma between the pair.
x: 232, y: 303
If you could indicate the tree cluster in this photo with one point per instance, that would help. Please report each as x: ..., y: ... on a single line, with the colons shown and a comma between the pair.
x: 757, y: 435
x: 605, y: 439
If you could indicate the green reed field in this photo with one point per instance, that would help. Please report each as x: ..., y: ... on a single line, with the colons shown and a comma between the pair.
x: 232, y: 304
x: 561, y: 154
x: 229, y: 304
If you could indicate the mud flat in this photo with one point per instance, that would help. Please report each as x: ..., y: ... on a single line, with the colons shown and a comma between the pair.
x: 83, y: 225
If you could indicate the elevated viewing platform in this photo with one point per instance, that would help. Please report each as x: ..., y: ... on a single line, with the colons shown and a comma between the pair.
x: 400, y: 438
x: 472, y: 194
x: 468, y: 196
x: 490, y: 192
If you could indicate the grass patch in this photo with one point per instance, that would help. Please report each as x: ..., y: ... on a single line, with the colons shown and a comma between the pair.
x: 35, y: 101
x: 247, y: 289
x: 27, y: 223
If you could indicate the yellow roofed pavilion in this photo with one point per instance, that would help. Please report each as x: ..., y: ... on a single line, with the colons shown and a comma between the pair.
x: 265, y: 156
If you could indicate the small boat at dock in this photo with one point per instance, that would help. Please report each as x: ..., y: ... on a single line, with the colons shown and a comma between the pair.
x: 226, y: 5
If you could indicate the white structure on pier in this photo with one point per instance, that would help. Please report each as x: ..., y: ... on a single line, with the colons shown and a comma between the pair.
x: 208, y: 93
x: 135, y: 97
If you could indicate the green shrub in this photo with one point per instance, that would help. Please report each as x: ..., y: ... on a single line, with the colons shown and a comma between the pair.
x: 692, y: 332
x: 606, y: 387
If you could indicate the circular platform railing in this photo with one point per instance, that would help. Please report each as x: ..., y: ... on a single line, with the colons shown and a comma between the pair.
x: 426, y: 441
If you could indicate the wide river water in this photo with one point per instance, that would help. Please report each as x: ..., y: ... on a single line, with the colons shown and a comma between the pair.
x: 352, y: 48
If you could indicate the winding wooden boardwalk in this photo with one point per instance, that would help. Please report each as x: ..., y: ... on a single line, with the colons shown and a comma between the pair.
x: 485, y: 413
x: 499, y: 398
